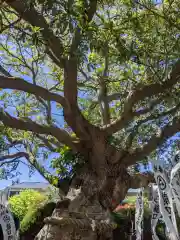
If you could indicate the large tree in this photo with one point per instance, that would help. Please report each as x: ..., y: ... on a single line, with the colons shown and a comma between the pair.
x: 90, y: 88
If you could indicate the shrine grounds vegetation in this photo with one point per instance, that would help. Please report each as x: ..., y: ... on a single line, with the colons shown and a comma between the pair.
x: 89, y: 94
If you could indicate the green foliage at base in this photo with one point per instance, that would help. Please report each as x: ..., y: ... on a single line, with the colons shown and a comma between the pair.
x: 27, y: 199
x: 35, y: 216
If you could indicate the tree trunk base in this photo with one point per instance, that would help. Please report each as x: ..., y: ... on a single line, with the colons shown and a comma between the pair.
x: 77, y: 219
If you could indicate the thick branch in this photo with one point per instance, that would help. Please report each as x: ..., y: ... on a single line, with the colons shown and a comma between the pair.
x: 70, y: 81
x: 154, y: 142
x: 141, y: 180
x: 61, y: 135
x: 55, y: 48
x: 33, y: 17
x: 14, y: 156
x: 72, y: 113
x: 142, y: 93
x: 149, y: 118
x: 70, y: 86
x: 22, y: 85
x: 104, y: 105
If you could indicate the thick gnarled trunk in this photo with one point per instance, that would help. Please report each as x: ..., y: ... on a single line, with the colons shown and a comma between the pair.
x: 95, y: 191
x: 79, y: 218
x: 84, y: 214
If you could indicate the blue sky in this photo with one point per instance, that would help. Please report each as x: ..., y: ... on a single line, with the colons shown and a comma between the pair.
x: 36, y: 177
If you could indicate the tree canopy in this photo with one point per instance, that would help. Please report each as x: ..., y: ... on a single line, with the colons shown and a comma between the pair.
x: 73, y: 70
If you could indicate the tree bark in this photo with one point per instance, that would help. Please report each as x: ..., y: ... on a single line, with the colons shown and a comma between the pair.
x: 85, y: 213
x: 96, y: 190
x: 77, y: 219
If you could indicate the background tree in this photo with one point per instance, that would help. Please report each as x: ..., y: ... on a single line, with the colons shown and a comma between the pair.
x: 89, y: 88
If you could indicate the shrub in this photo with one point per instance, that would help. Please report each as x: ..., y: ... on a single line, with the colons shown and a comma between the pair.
x: 35, y: 216
x: 20, y: 204
x: 125, y: 213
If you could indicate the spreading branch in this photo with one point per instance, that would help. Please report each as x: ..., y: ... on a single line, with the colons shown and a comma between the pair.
x: 72, y: 113
x: 145, y: 120
x: 22, y: 85
x: 155, y: 141
x: 140, y: 94
x: 61, y: 135
x: 15, y: 158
